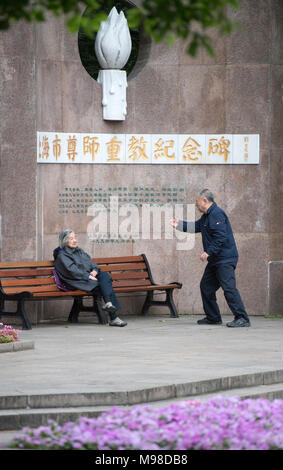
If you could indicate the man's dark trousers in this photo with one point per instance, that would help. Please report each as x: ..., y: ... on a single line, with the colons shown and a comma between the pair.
x: 215, y: 276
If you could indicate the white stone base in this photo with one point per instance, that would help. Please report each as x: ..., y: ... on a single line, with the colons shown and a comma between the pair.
x: 114, y: 84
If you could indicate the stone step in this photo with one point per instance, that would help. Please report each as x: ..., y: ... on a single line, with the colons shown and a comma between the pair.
x: 13, y: 419
x: 16, y: 419
x: 270, y: 392
x: 164, y: 392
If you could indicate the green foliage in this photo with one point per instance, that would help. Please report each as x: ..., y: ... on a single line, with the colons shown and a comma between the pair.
x: 35, y: 10
x: 187, y: 19
x: 161, y: 19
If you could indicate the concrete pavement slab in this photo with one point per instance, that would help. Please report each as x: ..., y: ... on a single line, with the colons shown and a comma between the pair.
x: 151, y: 351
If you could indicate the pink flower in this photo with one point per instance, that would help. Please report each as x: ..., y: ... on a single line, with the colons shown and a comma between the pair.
x: 8, y: 334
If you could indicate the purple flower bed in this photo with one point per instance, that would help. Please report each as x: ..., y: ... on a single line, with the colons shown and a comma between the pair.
x: 218, y: 423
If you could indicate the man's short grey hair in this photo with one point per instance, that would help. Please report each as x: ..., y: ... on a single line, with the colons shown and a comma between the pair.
x: 207, y: 193
x: 63, y: 237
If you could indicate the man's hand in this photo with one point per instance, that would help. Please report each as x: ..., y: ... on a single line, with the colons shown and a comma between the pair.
x: 204, y: 256
x: 174, y: 222
x: 92, y: 275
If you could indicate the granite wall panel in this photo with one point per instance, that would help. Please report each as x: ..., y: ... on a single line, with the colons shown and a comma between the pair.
x: 275, y: 297
x: 277, y: 106
x: 49, y: 95
x: 276, y: 32
x: 44, y: 87
x: 77, y: 95
x: 19, y: 41
x: 250, y: 41
x: 248, y: 100
x: 202, y: 98
x: 18, y: 125
x: 247, y: 193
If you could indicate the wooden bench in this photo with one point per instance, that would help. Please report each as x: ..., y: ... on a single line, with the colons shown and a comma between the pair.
x: 34, y: 281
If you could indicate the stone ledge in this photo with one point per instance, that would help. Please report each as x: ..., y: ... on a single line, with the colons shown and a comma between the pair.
x: 127, y: 398
x: 15, y: 420
x: 17, y: 346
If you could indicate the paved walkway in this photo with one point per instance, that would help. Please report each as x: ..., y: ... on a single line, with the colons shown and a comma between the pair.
x: 151, y: 351
x: 176, y: 356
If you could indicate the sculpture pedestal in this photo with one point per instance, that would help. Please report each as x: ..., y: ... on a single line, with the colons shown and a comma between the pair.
x: 114, y: 84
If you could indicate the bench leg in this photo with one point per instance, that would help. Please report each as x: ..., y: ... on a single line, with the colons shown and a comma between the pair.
x: 78, y: 307
x: 147, y: 303
x: 75, y: 310
x: 169, y: 302
x: 2, y: 303
x: 22, y: 313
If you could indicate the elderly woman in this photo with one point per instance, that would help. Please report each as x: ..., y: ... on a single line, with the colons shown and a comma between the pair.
x: 76, y: 270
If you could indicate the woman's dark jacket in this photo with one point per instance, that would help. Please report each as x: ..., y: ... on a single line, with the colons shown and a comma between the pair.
x: 73, y: 268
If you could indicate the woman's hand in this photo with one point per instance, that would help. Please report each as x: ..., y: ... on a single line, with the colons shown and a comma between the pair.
x: 92, y: 275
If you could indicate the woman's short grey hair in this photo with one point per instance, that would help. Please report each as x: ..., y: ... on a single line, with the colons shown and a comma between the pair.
x: 63, y: 237
x: 208, y: 194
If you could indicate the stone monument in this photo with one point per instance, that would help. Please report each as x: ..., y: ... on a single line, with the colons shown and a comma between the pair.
x: 113, y: 47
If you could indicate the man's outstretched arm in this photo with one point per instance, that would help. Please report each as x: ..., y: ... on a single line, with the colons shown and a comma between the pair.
x: 183, y: 226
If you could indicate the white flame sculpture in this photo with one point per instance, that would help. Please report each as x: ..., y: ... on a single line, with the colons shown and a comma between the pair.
x: 113, y: 47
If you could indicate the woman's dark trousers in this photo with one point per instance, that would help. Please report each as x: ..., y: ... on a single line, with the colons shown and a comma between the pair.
x: 105, y: 288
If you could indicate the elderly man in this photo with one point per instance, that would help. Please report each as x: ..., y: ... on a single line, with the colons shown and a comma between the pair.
x: 221, y: 254
x: 76, y: 270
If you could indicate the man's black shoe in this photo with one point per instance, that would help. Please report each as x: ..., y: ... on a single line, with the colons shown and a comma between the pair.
x: 238, y: 322
x: 205, y: 321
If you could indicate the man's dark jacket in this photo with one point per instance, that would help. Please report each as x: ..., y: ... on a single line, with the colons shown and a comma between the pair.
x: 73, y: 268
x: 217, y: 236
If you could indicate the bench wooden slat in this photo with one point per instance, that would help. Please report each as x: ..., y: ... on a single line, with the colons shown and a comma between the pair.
x: 150, y: 287
x: 60, y: 293
x: 17, y: 290
x: 123, y: 267
x: 121, y: 290
x: 16, y: 286
x: 51, y: 287
x: 25, y: 272
x: 26, y: 264
x: 50, y: 290
x: 27, y: 282
x: 35, y: 268
x: 137, y: 282
x: 111, y: 260
x: 50, y: 280
x: 48, y: 272
x: 130, y: 275
x: 118, y: 259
